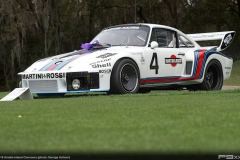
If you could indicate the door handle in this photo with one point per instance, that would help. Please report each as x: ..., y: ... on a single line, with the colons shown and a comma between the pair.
x: 181, y: 54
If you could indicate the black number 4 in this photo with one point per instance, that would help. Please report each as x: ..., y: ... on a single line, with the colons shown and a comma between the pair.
x: 156, y: 67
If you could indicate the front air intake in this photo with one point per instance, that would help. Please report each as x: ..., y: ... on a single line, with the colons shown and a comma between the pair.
x: 86, y: 80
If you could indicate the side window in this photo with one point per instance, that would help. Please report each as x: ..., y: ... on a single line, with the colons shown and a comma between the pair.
x: 164, y: 38
x: 184, y: 43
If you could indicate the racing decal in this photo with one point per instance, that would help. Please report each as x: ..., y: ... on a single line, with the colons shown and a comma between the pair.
x: 205, y: 35
x: 43, y: 76
x: 136, y: 53
x: 58, y: 64
x: 107, y: 71
x: 139, y: 54
x: 104, y: 60
x: 173, y: 60
x: 83, y: 52
x: 228, y: 67
x: 101, y: 65
x: 142, y: 59
x: 228, y: 73
x: 119, y: 28
x: 199, y: 65
x: 228, y: 38
x: 106, y: 55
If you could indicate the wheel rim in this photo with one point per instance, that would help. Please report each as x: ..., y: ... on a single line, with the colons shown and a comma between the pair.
x: 129, y: 77
x: 213, y: 78
x: 210, y: 79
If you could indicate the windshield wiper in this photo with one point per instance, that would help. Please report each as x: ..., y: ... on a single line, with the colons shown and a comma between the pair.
x: 102, y: 44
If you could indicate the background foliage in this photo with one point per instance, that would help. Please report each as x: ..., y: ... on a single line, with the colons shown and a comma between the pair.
x: 34, y: 29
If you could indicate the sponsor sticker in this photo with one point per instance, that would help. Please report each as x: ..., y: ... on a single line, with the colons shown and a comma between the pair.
x: 100, y: 61
x: 227, y: 73
x: 228, y: 67
x: 105, y: 71
x: 142, y: 59
x: 173, y: 60
x: 228, y: 40
x: 101, y: 65
x: 136, y: 53
x: 106, y: 55
x: 119, y: 28
x: 43, y: 76
x: 206, y: 35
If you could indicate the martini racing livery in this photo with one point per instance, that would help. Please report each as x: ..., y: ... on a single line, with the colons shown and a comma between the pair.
x: 134, y: 58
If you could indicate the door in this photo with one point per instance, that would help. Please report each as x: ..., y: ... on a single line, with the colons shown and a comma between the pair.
x: 165, y: 63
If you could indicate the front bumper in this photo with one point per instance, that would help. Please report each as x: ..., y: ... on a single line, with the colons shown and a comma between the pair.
x: 58, y: 82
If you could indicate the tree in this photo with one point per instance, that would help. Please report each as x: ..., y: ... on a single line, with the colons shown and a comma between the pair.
x: 35, y: 29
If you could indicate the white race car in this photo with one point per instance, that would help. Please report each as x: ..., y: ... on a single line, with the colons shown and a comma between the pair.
x: 134, y: 58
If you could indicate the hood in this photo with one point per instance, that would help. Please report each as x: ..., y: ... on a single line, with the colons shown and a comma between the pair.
x: 79, y: 60
x: 62, y: 62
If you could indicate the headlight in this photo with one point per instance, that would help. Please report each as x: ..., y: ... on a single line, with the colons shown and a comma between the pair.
x: 82, y: 81
x: 76, y: 84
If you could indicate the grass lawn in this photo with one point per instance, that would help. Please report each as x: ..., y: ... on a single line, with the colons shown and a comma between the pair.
x: 159, y: 122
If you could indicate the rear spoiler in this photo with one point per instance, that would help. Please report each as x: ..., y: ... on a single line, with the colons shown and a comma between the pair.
x: 225, y: 37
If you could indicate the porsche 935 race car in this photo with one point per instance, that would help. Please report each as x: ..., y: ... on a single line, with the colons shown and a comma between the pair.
x: 134, y: 58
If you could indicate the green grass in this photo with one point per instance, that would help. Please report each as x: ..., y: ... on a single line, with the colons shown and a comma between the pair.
x: 234, y: 79
x: 162, y: 122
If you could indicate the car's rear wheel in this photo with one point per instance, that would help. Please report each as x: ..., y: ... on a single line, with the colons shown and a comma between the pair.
x: 125, y: 77
x: 213, y: 77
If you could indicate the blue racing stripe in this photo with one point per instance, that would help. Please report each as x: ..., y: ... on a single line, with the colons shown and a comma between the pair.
x: 48, y: 65
x: 61, y: 65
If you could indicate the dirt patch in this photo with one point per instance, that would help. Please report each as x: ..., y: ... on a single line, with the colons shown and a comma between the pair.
x: 230, y: 87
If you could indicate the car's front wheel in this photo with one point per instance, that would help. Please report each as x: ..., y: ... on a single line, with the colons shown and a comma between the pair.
x: 125, y: 77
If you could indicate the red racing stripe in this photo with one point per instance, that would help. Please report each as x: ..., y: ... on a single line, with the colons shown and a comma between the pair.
x: 199, y: 67
x: 51, y: 67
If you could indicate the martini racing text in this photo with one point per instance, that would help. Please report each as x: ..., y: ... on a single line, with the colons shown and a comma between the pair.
x: 173, y: 60
x: 43, y: 76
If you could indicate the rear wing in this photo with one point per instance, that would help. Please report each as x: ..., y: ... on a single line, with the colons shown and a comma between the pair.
x: 225, y: 37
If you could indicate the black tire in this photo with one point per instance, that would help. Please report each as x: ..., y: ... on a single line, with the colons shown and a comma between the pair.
x: 213, y: 76
x: 124, y: 78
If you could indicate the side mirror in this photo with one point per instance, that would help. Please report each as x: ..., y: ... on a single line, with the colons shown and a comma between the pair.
x: 154, y: 44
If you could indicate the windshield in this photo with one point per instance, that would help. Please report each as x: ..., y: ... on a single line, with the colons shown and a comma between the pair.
x: 124, y: 35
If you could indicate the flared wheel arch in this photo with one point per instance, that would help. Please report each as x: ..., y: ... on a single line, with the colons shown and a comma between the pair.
x: 116, y: 63
x: 215, y: 64
x: 216, y: 76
